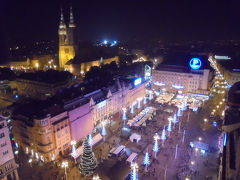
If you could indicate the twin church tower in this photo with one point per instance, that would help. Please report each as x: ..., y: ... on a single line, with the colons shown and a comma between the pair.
x: 67, y: 40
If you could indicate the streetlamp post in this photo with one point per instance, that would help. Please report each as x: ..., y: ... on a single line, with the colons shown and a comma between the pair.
x: 65, y: 165
x: 165, y: 173
x: 183, y: 136
x: 176, y: 151
x: 188, y: 116
x: 179, y: 127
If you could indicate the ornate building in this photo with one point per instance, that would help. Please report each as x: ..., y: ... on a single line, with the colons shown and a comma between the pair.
x: 8, y: 166
x: 67, y: 40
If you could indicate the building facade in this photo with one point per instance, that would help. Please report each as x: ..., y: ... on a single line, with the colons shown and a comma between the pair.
x: 47, y: 136
x: 8, y: 166
x: 43, y: 138
x: 229, y: 160
x: 177, y: 78
x: 35, y: 89
x: 80, y: 68
x: 67, y: 40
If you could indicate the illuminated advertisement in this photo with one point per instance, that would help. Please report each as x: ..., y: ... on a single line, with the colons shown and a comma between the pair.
x: 137, y: 81
x: 195, y: 63
x: 177, y: 86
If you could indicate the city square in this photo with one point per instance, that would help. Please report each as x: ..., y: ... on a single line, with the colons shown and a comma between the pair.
x: 135, y: 90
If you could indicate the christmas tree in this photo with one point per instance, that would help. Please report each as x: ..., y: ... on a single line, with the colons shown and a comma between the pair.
x: 88, y: 161
x: 146, y: 160
x: 179, y: 113
x: 169, y: 128
x: 134, y: 174
x: 155, y: 147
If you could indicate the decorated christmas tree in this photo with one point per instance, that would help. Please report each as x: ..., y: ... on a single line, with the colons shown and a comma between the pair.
x: 88, y: 160
x: 155, y: 147
x: 169, y: 128
x: 146, y: 160
x: 163, y: 136
x: 134, y: 174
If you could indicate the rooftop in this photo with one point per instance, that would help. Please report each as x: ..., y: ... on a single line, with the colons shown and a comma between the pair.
x: 231, y: 65
x: 234, y: 95
x: 179, y: 69
x: 182, y: 59
x: 49, y: 76
x: 65, y: 99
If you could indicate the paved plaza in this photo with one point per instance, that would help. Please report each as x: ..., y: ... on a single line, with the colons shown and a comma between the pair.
x: 173, y: 161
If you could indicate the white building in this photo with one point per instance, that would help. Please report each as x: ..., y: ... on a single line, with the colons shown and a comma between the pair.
x: 177, y: 78
x: 8, y: 166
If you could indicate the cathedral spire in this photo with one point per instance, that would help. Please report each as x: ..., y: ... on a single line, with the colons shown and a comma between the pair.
x: 62, y: 24
x: 71, y: 21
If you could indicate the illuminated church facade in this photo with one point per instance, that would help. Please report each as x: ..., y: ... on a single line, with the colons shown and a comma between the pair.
x: 67, y: 40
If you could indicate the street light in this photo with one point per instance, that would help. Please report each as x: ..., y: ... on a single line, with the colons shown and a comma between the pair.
x: 65, y: 165
x: 37, y: 65
x: 192, y: 162
x: 30, y: 162
x: 199, y: 138
x: 205, y: 120
x: 96, y: 177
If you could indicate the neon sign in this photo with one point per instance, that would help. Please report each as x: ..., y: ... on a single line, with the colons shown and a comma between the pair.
x: 137, y: 81
x: 159, y: 83
x: 177, y: 86
x: 225, y: 139
x: 195, y: 63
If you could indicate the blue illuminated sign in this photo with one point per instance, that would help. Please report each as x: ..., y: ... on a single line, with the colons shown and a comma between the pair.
x: 137, y: 81
x: 215, y: 123
x: 195, y: 63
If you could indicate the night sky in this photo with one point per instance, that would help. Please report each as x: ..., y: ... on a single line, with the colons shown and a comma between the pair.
x: 30, y: 20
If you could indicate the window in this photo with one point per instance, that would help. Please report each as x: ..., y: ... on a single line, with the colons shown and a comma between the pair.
x: 5, y: 152
x: 2, y: 135
x: 3, y: 144
x: 66, y: 50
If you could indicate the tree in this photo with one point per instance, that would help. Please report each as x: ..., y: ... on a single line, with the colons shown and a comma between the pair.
x: 155, y: 147
x: 146, y: 160
x: 88, y: 160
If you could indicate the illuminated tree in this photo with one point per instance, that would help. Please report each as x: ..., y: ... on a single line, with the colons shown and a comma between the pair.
x: 155, y: 145
x: 88, y: 162
x: 104, y: 131
x: 134, y: 174
x: 146, y: 160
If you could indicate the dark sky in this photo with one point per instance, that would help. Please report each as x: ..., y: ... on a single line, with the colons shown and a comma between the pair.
x: 30, y: 20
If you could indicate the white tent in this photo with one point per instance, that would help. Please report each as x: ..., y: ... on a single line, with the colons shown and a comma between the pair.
x: 135, y: 137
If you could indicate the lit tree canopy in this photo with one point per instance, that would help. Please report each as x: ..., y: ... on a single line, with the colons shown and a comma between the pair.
x: 88, y: 160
